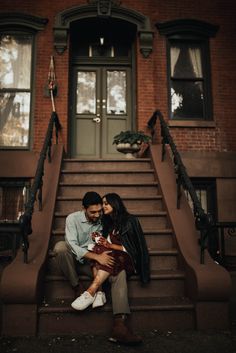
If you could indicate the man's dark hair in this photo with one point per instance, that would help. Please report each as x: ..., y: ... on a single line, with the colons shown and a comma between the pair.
x: 91, y: 198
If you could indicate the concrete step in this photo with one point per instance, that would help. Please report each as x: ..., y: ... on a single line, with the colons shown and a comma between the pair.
x: 165, y: 283
x: 123, y: 189
x: 106, y: 164
x: 162, y: 302
x: 159, y: 260
x: 110, y: 176
x: 72, y: 204
x: 163, y: 259
x: 158, y: 313
x: 160, y: 239
x: 148, y: 221
x: 168, y: 314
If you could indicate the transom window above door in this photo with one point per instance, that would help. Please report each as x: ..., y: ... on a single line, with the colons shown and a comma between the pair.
x: 107, y: 40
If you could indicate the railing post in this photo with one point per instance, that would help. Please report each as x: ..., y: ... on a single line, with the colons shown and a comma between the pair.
x: 26, y: 230
x: 178, y: 191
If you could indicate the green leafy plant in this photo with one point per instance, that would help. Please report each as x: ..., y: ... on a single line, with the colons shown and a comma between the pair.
x: 131, y: 137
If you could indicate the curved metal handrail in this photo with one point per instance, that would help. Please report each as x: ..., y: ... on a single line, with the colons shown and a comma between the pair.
x: 36, y: 189
x: 203, y: 221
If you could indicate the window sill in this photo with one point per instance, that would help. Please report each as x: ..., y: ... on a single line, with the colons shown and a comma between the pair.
x: 192, y: 123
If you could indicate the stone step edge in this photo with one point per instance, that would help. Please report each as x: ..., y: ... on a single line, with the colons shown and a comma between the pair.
x: 152, y: 252
x: 66, y: 308
x: 151, y: 183
x: 138, y: 214
x: 154, y: 276
x: 104, y: 171
x: 124, y: 198
x: 73, y: 160
x: 166, y: 231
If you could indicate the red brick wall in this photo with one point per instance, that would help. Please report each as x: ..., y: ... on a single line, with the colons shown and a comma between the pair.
x: 151, y: 72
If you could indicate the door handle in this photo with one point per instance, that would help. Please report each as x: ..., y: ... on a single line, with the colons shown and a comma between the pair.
x: 97, y: 120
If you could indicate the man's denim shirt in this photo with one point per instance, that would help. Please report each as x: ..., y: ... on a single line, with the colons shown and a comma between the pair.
x: 78, y: 233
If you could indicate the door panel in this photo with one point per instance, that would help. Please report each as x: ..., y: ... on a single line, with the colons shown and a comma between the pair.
x: 85, y: 138
x: 102, y: 108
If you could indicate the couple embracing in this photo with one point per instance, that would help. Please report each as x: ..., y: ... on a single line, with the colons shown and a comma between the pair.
x: 105, y: 242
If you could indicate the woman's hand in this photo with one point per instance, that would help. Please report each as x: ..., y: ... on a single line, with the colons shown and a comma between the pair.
x: 103, y: 241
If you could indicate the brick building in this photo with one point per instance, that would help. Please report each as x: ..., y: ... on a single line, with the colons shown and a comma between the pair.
x: 117, y: 62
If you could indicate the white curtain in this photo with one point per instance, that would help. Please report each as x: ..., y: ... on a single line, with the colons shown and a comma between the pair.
x: 15, y: 60
x: 175, y: 51
x: 195, y: 56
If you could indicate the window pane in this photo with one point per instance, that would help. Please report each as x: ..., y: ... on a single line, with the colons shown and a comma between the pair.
x: 187, y: 100
x: 14, y: 119
x: 186, y: 61
x: 86, y: 92
x: 15, y: 61
x: 116, y: 92
x: 12, y: 200
x: 202, y: 197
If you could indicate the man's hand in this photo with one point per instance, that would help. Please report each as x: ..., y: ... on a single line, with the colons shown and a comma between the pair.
x: 105, y: 259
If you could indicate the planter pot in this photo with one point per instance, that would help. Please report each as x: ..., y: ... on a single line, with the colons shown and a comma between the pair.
x: 128, y: 149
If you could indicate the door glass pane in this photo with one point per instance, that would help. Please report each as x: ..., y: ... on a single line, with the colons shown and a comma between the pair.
x: 116, y: 92
x: 14, y: 119
x: 86, y: 92
x: 15, y: 61
x: 187, y: 100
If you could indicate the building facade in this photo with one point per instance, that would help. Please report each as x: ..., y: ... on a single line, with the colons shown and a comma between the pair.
x: 111, y: 64
x: 115, y: 63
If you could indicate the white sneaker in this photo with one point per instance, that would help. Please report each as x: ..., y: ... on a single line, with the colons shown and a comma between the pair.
x: 100, y: 299
x: 83, y: 301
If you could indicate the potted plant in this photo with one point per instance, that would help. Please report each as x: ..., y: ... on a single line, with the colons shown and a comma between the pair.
x: 129, y: 142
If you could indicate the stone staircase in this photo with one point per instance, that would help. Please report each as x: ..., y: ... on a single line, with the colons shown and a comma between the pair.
x: 160, y: 305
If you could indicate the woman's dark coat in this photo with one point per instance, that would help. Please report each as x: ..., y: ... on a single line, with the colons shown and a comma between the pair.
x: 133, y: 240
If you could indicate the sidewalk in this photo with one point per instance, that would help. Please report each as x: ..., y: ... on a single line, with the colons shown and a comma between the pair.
x: 154, y: 342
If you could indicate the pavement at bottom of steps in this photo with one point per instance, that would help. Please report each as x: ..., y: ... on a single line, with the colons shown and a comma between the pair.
x: 190, y: 341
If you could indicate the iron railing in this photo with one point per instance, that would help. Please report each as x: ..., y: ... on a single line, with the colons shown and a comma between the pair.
x: 224, y: 230
x: 36, y: 189
x: 203, y: 221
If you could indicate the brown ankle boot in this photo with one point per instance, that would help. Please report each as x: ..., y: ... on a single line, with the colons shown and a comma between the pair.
x: 122, y: 334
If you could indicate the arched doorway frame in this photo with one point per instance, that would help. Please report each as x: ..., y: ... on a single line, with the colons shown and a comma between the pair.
x: 65, y: 18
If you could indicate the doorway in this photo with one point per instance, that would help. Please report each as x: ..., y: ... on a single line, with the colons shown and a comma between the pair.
x: 101, y: 109
x: 102, y: 96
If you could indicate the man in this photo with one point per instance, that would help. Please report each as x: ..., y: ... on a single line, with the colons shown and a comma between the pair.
x: 72, y: 257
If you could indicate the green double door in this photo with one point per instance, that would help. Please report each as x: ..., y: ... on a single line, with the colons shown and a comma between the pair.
x: 100, y: 109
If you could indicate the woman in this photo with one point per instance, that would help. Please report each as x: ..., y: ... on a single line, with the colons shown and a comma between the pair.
x: 124, y: 238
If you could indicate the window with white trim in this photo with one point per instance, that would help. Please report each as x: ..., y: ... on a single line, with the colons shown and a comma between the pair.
x: 15, y: 89
x: 17, y: 37
x: 187, y: 80
x: 188, y: 68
